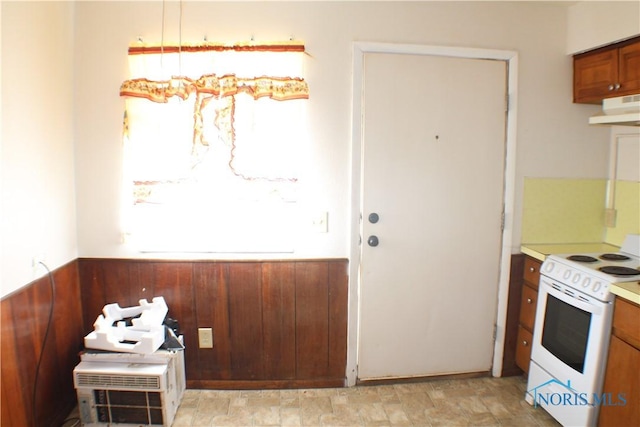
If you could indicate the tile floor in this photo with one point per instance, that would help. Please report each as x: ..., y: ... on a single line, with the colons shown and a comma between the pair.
x: 463, y: 402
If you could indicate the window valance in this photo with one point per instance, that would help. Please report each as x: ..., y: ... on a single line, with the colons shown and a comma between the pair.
x: 160, y: 72
x: 278, y: 88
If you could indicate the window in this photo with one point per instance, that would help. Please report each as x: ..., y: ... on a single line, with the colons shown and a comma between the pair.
x: 212, y: 147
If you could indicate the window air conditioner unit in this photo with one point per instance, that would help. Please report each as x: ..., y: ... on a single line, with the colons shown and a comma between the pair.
x: 129, y: 394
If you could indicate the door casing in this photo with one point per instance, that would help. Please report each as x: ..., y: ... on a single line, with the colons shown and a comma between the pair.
x: 511, y: 59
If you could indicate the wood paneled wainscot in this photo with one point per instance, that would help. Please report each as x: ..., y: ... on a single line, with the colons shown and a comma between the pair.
x: 622, y: 376
x: 528, y: 302
x: 276, y: 324
x: 25, y: 316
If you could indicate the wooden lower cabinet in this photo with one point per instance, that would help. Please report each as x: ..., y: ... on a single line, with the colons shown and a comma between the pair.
x: 622, y: 376
x: 528, y: 303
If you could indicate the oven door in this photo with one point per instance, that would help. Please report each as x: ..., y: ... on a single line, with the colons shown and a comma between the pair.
x: 571, y: 336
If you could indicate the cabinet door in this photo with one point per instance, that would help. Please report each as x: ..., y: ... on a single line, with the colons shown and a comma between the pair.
x: 594, y: 76
x: 622, y: 377
x: 629, y: 69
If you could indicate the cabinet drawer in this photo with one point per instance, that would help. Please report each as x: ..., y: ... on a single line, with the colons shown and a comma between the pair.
x: 626, y: 321
x: 523, y: 349
x: 528, y: 307
x: 532, y: 271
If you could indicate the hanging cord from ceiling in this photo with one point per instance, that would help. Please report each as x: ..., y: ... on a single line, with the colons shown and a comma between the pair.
x: 164, y: 92
x: 162, y: 28
x: 52, y: 285
x: 180, y: 43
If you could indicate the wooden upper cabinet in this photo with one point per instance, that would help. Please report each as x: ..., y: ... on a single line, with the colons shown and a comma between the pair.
x: 607, y: 72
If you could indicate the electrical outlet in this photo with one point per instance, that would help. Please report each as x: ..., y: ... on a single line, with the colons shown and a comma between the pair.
x: 37, y: 259
x: 36, y: 262
x: 610, y: 217
x: 205, y: 337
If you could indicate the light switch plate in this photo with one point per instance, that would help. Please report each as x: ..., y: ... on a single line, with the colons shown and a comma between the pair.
x: 320, y: 222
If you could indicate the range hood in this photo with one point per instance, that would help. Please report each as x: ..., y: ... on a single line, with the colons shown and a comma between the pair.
x: 619, y: 111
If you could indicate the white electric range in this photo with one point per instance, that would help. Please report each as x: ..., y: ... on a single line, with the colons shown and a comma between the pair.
x: 572, y: 330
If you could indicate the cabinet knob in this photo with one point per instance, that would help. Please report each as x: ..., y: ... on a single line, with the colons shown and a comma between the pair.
x: 529, y: 300
x: 617, y: 86
x: 525, y: 343
x: 611, y: 87
x: 532, y: 269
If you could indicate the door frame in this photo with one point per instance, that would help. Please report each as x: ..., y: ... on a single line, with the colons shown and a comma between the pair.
x: 357, y: 144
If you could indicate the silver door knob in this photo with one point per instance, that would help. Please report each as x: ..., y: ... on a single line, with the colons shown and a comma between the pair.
x: 373, y: 241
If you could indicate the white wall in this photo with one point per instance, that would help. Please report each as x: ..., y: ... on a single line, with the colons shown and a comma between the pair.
x: 37, y: 163
x: 597, y: 23
x: 554, y: 139
x: 50, y: 49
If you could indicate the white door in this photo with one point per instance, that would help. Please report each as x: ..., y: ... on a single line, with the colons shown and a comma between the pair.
x: 433, y: 167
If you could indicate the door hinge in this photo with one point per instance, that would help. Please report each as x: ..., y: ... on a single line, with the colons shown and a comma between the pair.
x: 507, y: 102
x: 495, y: 332
x: 502, y: 220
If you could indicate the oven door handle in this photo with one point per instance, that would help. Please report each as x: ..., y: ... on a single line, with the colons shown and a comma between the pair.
x: 572, y: 300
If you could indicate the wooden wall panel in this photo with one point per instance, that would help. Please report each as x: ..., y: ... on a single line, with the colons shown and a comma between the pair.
x: 93, y: 292
x: 245, y: 320
x: 279, y: 320
x: 212, y: 311
x: 142, y: 279
x: 25, y: 315
x: 312, y: 320
x: 174, y: 281
x: 338, y: 319
x: 15, y: 397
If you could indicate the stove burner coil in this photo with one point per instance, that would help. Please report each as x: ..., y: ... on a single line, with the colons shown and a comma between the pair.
x: 617, y: 270
x: 614, y: 257
x: 581, y: 258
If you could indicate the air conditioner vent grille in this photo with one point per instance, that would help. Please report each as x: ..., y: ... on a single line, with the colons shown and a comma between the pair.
x: 132, y: 382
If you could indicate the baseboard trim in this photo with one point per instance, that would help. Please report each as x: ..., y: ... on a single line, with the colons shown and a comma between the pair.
x: 409, y: 380
x: 264, y: 384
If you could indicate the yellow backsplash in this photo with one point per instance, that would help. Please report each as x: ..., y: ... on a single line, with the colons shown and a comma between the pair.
x: 563, y: 210
x: 557, y: 210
